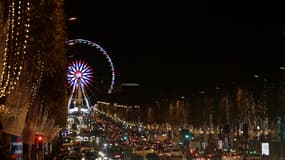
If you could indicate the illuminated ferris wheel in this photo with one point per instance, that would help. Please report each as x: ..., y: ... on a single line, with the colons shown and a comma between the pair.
x: 79, y: 76
x: 81, y: 73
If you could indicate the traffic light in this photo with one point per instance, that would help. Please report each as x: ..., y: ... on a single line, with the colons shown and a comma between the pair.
x: 126, y: 137
x: 186, y: 135
x: 40, y: 138
x: 39, y: 141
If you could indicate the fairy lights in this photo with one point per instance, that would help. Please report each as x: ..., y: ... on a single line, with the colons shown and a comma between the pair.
x: 107, y: 104
x: 17, y: 37
x: 15, y: 48
x: 36, y: 85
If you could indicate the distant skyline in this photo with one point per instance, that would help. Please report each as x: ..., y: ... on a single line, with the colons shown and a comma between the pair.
x: 184, y: 46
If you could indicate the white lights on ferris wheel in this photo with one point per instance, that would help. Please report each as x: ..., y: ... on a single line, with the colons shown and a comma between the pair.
x: 102, y: 51
x: 79, y: 73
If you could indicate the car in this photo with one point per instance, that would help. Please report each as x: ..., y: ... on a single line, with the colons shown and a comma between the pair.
x: 147, y: 156
x: 89, y: 154
x: 137, y: 157
x: 177, y: 154
x: 252, y: 157
x: 231, y: 156
x: 71, y: 158
x: 152, y: 156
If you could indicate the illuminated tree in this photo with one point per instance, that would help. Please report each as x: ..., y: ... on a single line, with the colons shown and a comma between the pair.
x: 48, y: 45
x: 171, y: 113
x: 281, y: 105
x: 149, y: 116
x: 32, y: 56
x: 17, y: 78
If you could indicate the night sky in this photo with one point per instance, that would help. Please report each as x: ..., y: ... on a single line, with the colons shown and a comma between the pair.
x: 179, y: 48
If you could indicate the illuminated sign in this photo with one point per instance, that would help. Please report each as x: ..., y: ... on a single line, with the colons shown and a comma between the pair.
x: 265, y: 149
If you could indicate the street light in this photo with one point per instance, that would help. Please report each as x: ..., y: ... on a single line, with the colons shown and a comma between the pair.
x: 264, y: 117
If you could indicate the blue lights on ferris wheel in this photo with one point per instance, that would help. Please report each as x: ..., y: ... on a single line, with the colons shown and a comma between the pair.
x: 79, y: 73
x: 98, y: 47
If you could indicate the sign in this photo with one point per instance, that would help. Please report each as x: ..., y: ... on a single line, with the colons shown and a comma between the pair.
x: 220, y: 144
x: 265, y: 149
x: 17, y: 148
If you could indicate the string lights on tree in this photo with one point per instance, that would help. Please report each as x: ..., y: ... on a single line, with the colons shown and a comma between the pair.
x: 17, y: 35
x: 15, y: 48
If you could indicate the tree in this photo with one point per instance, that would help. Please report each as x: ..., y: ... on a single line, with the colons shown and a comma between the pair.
x: 282, y: 131
x: 48, y: 63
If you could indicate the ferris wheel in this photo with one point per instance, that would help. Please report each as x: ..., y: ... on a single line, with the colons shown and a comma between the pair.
x: 79, y: 76
x: 82, y: 74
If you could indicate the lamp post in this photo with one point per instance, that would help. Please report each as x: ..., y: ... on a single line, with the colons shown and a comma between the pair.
x: 263, y: 126
x: 281, y: 129
x: 264, y: 104
x: 183, y: 110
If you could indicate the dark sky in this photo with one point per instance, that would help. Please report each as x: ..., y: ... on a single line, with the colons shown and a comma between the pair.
x: 171, y: 46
